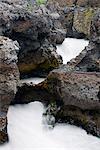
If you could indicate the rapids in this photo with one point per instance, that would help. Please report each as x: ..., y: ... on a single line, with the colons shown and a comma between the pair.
x: 25, y: 122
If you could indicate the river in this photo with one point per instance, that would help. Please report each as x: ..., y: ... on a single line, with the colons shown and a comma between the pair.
x: 26, y: 128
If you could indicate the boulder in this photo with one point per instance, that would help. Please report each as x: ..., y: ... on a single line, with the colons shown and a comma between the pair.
x: 77, y: 95
x: 40, y: 62
x: 9, y: 76
x: 34, y: 27
x: 76, y: 16
x: 81, y: 89
x: 82, y: 21
x: 79, y: 19
x: 89, y: 59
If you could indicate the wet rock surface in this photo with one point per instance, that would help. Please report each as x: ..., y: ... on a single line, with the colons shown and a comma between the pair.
x: 9, y: 76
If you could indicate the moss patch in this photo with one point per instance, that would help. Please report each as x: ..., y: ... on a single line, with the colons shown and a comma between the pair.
x: 82, y: 20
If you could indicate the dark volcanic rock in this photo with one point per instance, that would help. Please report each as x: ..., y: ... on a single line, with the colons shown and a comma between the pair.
x: 40, y: 62
x: 27, y: 92
x: 76, y: 85
x: 76, y: 16
x: 89, y: 59
x: 95, y: 29
x: 74, y: 88
x: 82, y: 21
x: 75, y: 96
x: 34, y: 27
x: 9, y: 76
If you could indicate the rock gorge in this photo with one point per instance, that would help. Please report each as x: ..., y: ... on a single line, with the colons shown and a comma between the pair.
x: 74, y: 88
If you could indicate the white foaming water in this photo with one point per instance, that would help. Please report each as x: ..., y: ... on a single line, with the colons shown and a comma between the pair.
x: 27, y: 132
x: 71, y: 48
x: 33, y: 80
x: 25, y: 122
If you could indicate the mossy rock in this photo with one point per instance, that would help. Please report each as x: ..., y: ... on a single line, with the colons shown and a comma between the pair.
x: 41, y: 69
x: 82, y: 20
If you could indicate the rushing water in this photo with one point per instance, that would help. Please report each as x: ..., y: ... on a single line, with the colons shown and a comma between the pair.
x: 33, y: 80
x: 71, y: 48
x: 25, y: 122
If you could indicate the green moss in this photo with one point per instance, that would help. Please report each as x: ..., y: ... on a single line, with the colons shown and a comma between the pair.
x: 26, y: 67
x: 88, y: 15
x: 49, y: 64
x: 39, y: 2
x: 29, y: 6
x: 82, y: 20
